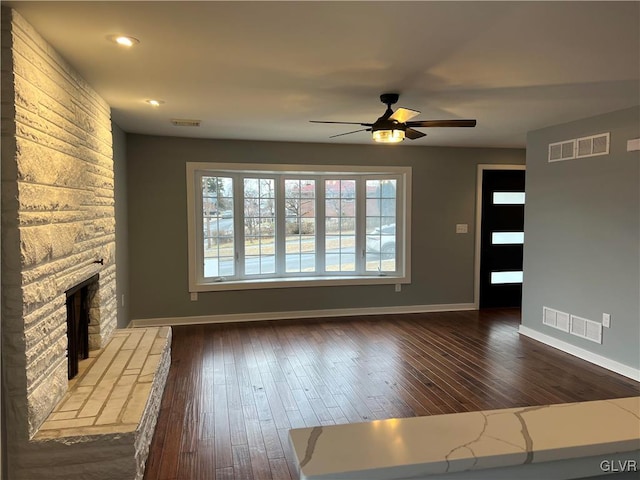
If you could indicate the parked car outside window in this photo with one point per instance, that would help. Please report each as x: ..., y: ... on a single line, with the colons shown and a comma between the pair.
x: 383, y: 240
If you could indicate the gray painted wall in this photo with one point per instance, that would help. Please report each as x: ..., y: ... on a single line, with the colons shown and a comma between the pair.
x: 443, y: 195
x: 582, y: 235
x: 122, y: 220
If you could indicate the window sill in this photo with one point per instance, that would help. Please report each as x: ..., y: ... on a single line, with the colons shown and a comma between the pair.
x: 263, y: 283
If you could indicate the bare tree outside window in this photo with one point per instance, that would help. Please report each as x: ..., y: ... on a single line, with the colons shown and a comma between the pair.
x: 300, y: 225
x: 217, y: 220
x: 259, y: 225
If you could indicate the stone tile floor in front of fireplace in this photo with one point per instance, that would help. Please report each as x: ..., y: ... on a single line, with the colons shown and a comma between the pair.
x: 110, y: 392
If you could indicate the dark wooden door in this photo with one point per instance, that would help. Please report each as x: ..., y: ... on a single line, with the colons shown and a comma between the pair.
x: 502, y: 238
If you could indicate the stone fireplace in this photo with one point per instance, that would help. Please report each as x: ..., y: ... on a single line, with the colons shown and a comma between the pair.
x: 58, y: 235
x: 57, y: 217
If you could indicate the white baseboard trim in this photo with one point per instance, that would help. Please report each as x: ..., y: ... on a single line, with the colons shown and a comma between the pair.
x: 337, y: 312
x: 604, y: 362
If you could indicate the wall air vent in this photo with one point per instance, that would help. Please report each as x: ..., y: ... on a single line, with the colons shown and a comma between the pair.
x: 555, y: 318
x: 562, y: 151
x: 593, y: 145
x: 579, y: 147
x: 588, y: 329
x: 182, y: 122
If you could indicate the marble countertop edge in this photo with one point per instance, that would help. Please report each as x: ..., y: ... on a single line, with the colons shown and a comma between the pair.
x: 468, y: 441
x: 467, y: 464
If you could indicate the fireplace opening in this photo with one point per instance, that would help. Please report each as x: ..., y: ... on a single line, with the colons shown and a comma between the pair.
x: 78, y: 310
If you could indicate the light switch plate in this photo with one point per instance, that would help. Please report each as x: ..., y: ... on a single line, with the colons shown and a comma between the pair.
x: 462, y: 228
x: 606, y: 320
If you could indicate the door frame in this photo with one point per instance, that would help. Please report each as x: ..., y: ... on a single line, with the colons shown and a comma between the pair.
x: 479, y: 177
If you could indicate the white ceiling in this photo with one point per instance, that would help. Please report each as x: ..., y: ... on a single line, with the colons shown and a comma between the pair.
x: 262, y: 70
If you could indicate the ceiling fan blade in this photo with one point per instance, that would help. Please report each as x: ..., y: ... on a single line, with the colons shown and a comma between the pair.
x: 412, y: 134
x: 442, y: 123
x: 343, y: 123
x: 349, y: 133
x: 403, y: 114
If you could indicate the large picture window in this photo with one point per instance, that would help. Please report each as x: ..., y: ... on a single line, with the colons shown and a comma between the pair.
x: 266, y: 226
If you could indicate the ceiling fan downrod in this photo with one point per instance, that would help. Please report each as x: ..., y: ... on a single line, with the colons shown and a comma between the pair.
x: 388, y: 99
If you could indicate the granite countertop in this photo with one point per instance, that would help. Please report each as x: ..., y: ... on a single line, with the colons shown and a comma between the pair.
x: 399, y: 448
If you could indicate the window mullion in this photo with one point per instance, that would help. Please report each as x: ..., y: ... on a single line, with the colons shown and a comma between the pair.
x: 280, y: 234
x: 199, y: 225
x: 400, y: 219
x: 360, y: 229
x: 320, y: 225
x: 238, y: 199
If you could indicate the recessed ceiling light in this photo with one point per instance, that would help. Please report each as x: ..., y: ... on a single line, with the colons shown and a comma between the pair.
x: 124, y: 40
x: 155, y: 103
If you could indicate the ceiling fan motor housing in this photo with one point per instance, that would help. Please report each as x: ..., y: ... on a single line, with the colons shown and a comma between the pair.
x: 389, y: 98
x: 385, y: 124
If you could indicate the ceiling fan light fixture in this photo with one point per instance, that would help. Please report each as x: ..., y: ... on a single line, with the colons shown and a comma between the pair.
x: 388, y: 136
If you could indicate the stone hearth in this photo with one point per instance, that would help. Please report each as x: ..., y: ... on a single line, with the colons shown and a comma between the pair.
x: 104, y: 424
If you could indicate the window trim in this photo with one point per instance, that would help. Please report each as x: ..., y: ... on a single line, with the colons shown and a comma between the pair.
x: 194, y: 225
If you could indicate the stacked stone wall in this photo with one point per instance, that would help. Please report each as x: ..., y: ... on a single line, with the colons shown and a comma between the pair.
x: 57, y: 217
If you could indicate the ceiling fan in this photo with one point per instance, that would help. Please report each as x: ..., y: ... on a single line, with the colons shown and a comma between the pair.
x: 393, y: 127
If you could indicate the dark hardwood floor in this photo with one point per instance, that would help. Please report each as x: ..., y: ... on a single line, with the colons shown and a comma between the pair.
x: 234, y: 390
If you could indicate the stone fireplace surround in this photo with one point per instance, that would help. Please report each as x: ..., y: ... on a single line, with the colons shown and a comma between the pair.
x: 58, y: 218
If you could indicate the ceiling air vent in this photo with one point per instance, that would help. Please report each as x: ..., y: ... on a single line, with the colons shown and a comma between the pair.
x: 182, y: 122
x: 562, y: 150
x: 593, y: 145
